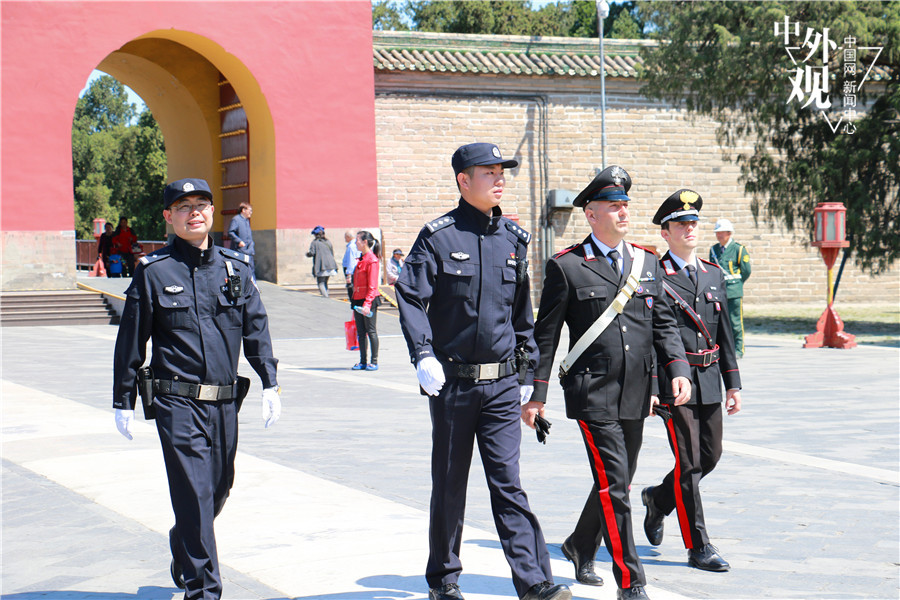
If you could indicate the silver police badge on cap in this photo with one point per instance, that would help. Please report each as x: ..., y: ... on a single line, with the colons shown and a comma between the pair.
x: 187, y: 187
x: 617, y: 175
x: 496, y: 151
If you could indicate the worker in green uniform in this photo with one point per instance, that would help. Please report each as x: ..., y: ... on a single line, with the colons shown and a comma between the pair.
x: 735, y: 263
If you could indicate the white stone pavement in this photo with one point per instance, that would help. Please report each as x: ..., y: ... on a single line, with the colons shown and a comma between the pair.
x: 292, y: 531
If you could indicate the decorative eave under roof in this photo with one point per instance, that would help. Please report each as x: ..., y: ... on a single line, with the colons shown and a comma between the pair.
x: 504, y: 54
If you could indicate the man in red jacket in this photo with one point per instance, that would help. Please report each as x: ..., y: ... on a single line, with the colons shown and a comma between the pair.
x: 122, y: 244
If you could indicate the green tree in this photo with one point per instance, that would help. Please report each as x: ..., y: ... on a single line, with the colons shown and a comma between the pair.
x: 566, y: 18
x: 388, y: 16
x: 118, y: 162
x: 624, y: 27
x: 723, y: 60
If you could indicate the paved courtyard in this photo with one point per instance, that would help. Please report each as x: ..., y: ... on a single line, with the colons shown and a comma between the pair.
x: 331, y: 503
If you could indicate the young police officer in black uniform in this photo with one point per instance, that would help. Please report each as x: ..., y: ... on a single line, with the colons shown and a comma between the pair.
x: 697, y: 291
x: 197, y: 302
x: 608, y: 386
x: 464, y: 307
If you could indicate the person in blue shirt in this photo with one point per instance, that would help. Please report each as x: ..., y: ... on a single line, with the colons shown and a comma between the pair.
x: 351, y: 257
x: 465, y: 305
x: 241, y: 235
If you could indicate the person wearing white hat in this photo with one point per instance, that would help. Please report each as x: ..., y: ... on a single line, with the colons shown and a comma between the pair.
x: 734, y: 260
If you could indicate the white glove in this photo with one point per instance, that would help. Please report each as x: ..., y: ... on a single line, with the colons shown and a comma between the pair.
x: 124, y: 418
x: 525, y: 392
x: 271, y: 406
x: 431, y: 375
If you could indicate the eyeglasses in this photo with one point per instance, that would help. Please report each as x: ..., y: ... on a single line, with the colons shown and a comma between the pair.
x: 186, y: 209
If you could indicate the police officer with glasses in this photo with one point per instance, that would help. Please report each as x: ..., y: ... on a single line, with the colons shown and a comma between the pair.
x: 198, y: 303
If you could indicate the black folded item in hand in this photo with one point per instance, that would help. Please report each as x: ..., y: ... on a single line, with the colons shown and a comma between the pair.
x: 542, y: 428
x: 663, y: 412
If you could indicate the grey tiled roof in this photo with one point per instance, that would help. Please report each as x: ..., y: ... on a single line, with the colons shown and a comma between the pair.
x: 514, y: 55
x: 508, y: 54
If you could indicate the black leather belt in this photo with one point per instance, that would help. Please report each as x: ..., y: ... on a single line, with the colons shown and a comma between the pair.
x: 196, y: 391
x: 703, y: 359
x: 485, y: 372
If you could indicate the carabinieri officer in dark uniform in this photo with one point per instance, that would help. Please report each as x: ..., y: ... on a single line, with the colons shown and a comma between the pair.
x: 609, y: 377
x: 697, y: 292
x: 197, y: 302
x: 464, y: 307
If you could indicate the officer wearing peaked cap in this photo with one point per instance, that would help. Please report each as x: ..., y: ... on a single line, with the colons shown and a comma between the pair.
x: 696, y: 289
x: 465, y: 306
x: 609, y: 293
x: 198, y: 303
x: 734, y: 260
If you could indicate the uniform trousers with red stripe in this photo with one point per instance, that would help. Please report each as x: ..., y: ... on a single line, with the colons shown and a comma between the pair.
x: 695, y: 437
x: 612, y: 448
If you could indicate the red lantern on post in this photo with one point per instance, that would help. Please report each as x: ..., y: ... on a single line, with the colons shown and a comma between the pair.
x: 831, y: 236
x: 99, y: 224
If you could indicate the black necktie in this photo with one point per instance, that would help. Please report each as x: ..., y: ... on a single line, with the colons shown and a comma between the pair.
x: 692, y: 273
x: 613, y: 257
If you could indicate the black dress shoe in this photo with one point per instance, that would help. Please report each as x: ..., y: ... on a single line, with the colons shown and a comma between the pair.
x: 584, y: 569
x: 547, y: 591
x: 633, y: 593
x: 654, y: 520
x: 449, y: 591
x: 177, y: 574
x: 708, y: 559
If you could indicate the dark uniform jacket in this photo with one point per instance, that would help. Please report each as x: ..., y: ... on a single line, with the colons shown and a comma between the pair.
x: 458, y: 296
x: 177, y: 298
x: 708, y: 301
x: 614, y: 377
x: 239, y: 230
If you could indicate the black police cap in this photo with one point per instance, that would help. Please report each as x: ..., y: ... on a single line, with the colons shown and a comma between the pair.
x: 611, y: 184
x: 177, y: 190
x: 683, y: 205
x: 480, y: 153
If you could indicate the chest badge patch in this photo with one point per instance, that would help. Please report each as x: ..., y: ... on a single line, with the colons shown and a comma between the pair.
x: 649, y: 301
x: 459, y: 256
x: 510, y: 262
x: 173, y: 289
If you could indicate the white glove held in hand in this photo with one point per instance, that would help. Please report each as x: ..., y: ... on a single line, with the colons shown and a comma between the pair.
x: 431, y: 375
x: 124, y: 418
x: 271, y: 406
x: 525, y: 392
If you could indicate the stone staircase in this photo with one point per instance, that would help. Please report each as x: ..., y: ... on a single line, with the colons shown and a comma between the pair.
x: 55, y: 307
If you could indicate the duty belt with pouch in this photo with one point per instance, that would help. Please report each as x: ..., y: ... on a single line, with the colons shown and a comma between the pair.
x: 483, y: 372
x: 704, y: 358
x: 614, y: 309
x: 148, y: 387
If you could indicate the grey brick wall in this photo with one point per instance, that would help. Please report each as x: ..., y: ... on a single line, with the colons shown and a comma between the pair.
x: 552, y: 125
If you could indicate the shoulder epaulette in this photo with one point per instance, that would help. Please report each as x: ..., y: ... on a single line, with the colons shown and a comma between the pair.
x: 440, y: 223
x: 566, y: 250
x: 520, y: 233
x: 642, y: 248
x: 235, y: 255
x: 156, y: 256
x: 710, y: 263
